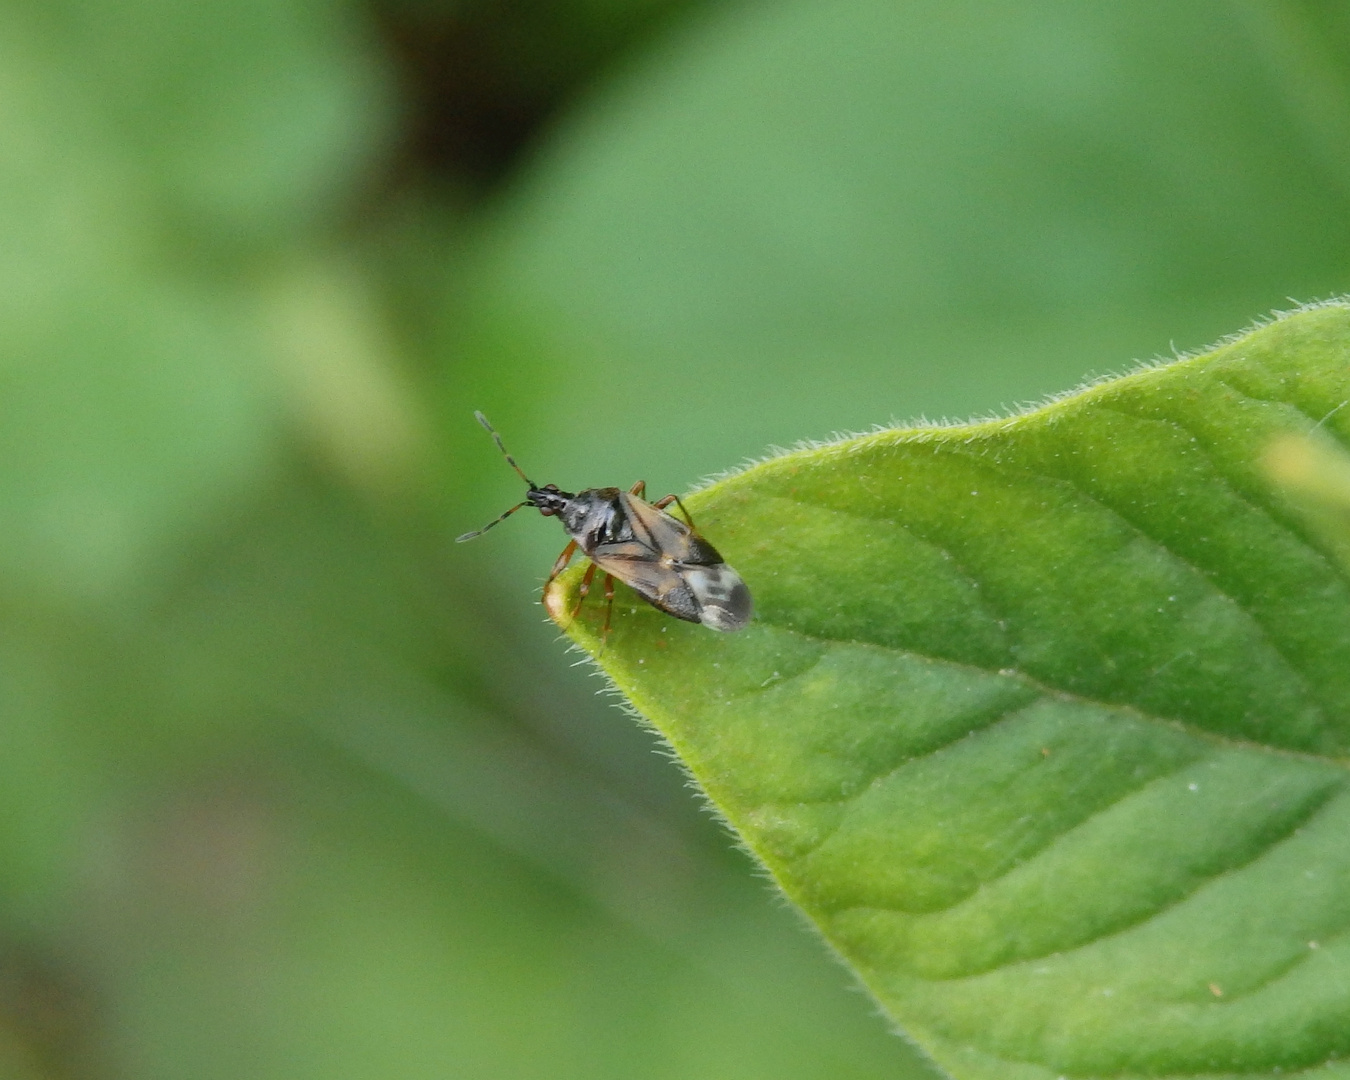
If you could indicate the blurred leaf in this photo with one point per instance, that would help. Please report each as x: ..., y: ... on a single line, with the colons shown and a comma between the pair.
x: 817, y: 215
x: 120, y: 398
x: 140, y: 405
x: 375, y: 935
x: 136, y: 396
x: 248, y: 121
x: 347, y: 392
x: 482, y: 75
x: 15, y: 1061
x: 1044, y: 720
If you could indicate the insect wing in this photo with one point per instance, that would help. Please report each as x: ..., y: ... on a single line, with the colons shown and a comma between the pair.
x: 675, y: 569
x: 666, y: 536
x: 660, y: 584
x: 723, y: 600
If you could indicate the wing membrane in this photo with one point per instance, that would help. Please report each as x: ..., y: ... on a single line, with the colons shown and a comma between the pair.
x: 666, y: 535
x: 659, y: 583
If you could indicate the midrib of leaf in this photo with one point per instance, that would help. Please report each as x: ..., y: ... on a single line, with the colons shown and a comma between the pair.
x: 1209, y: 740
x: 946, y: 903
x: 985, y: 436
x: 1186, y: 559
x: 1327, y: 784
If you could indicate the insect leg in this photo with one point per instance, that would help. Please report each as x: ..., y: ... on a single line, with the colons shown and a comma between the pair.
x: 560, y: 563
x: 662, y: 503
x: 640, y: 490
x: 583, y: 589
x: 552, y: 602
x: 609, y: 610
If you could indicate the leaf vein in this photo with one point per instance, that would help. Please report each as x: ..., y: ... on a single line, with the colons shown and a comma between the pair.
x: 1138, y: 530
x: 1315, y: 808
x: 1271, y: 509
x: 972, y: 583
x: 1208, y: 575
x: 1184, y: 726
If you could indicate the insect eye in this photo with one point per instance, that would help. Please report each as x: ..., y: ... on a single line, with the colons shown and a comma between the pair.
x: 548, y: 511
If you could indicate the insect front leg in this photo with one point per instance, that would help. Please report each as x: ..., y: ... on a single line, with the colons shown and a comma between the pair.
x: 584, y: 588
x: 609, y: 610
x: 560, y: 563
x: 551, y: 601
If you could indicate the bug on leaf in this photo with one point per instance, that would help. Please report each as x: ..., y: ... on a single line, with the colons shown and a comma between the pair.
x: 661, y: 558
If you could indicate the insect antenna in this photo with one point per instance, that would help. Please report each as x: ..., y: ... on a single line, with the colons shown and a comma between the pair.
x: 502, y: 447
x: 510, y: 461
x: 490, y: 524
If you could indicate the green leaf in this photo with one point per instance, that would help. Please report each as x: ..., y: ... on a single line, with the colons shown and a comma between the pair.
x: 1043, y: 720
x: 1314, y: 475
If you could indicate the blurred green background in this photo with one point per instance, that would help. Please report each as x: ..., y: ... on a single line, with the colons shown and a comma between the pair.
x: 292, y: 786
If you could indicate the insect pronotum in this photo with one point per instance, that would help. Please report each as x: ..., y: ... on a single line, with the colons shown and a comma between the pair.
x: 661, y: 558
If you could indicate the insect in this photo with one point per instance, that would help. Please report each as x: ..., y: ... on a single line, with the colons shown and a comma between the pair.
x: 663, y: 559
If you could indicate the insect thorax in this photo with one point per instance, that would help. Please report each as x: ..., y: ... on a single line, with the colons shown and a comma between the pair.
x: 594, y: 516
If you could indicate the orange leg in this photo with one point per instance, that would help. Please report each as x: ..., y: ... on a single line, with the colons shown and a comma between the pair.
x: 661, y: 504
x: 583, y: 589
x: 609, y: 609
x: 640, y: 490
x: 550, y: 601
x: 561, y: 563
